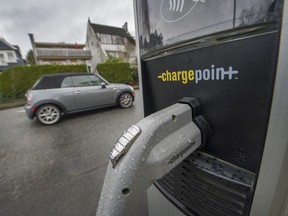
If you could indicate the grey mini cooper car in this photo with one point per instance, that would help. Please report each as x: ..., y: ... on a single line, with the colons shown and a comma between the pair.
x: 56, y: 95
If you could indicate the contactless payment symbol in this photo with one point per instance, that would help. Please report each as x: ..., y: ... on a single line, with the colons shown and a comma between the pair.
x: 174, y: 10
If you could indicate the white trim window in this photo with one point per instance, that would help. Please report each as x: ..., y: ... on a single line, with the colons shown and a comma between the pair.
x: 2, y: 59
x: 11, y: 57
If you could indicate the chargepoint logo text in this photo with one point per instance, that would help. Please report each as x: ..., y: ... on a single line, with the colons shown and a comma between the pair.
x: 198, y: 75
x: 174, y: 10
x: 181, y: 153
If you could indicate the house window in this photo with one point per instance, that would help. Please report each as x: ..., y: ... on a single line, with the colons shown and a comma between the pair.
x: 11, y: 57
x: 106, y: 39
x: 2, y: 59
x: 102, y: 38
x: 116, y: 39
x: 112, y: 39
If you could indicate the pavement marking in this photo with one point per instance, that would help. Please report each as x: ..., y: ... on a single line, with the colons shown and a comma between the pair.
x: 20, y: 111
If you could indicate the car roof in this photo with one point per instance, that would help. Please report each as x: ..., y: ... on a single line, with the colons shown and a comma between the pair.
x: 64, y: 74
x: 50, y: 81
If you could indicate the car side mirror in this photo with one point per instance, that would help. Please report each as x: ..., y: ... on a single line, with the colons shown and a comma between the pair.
x: 103, y: 85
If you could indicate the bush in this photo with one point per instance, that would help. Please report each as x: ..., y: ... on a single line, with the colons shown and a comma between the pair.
x: 135, y: 75
x: 14, y: 82
x: 116, y: 72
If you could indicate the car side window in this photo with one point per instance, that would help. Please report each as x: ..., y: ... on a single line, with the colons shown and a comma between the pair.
x: 67, y: 82
x: 89, y: 80
x: 95, y: 81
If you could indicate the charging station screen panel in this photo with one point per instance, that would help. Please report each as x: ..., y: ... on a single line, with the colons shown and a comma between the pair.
x: 164, y: 22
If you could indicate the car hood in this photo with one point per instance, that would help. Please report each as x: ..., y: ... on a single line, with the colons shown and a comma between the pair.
x: 118, y: 85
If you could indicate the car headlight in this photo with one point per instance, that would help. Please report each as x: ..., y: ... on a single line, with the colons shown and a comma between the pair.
x: 28, y: 98
x: 132, y: 89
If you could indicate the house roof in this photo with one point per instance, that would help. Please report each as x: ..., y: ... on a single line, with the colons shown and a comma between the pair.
x: 97, y: 28
x: 4, y: 45
x: 59, y: 45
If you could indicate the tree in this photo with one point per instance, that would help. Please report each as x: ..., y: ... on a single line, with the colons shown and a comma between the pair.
x: 30, y: 57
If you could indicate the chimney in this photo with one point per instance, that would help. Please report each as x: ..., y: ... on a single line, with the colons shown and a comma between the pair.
x: 31, y: 36
x: 125, y: 26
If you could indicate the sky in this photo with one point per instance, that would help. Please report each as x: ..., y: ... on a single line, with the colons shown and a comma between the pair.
x: 59, y: 20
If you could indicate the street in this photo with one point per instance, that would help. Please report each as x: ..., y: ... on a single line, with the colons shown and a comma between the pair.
x: 58, y: 170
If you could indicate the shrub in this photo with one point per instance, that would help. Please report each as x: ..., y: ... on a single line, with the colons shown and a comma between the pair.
x: 116, y: 72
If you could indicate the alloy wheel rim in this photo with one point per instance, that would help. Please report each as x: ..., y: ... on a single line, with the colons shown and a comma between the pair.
x: 126, y: 100
x: 49, y: 115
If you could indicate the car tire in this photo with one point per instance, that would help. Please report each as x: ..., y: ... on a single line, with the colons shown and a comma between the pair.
x: 48, y: 114
x: 125, y: 100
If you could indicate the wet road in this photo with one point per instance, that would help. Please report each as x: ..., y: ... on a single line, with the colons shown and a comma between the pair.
x: 57, y: 170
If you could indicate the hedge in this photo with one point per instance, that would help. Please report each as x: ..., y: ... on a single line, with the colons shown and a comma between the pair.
x: 14, y: 82
x: 116, y: 72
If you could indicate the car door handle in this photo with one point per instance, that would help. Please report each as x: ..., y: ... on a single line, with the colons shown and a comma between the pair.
x: 78, y: 92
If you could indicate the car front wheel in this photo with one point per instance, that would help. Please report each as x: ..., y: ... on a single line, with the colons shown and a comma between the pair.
x: 48, y: 114
x: 125, y: 100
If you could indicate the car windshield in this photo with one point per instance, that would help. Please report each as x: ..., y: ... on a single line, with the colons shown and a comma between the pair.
x: 35, y: 84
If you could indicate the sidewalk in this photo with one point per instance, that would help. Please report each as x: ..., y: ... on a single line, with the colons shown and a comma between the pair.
x: 12, y: 105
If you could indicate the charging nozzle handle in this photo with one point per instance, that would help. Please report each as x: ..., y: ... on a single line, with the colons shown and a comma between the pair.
x: 145, y: 153
x: 198, y: 119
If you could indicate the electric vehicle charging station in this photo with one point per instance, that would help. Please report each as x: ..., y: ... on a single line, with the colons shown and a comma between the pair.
x: 231, y: 56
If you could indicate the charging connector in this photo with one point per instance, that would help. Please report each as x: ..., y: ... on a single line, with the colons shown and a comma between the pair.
x: 146, y: 152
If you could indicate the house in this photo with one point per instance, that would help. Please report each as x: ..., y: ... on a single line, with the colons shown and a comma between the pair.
x: 104, y: 41
x: 10, y: 55
x: 59, y: 53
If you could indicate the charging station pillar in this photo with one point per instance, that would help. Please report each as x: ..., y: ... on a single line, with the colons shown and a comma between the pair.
x: 227, y: 55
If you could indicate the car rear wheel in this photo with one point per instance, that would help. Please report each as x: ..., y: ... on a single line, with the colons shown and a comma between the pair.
x: 125, y: 100
x: 48, y: 114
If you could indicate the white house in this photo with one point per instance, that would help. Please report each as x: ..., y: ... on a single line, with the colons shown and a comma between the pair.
x: 10, y: 55
x: 47, y: 53
x: 104, y: 41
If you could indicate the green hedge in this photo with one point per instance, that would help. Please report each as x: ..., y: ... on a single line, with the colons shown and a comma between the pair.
x: 14, y: 82
x: 116, y: 72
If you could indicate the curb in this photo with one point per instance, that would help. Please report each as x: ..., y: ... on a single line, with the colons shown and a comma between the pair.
x: 11, y: 105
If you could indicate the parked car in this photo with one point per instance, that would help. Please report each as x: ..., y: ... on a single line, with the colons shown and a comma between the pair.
x: 56, y: 95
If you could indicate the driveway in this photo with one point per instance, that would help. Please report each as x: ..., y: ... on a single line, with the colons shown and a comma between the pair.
x: 57, y: 170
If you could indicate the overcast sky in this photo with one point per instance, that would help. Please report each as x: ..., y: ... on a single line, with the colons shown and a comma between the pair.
x: 59, y: 20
